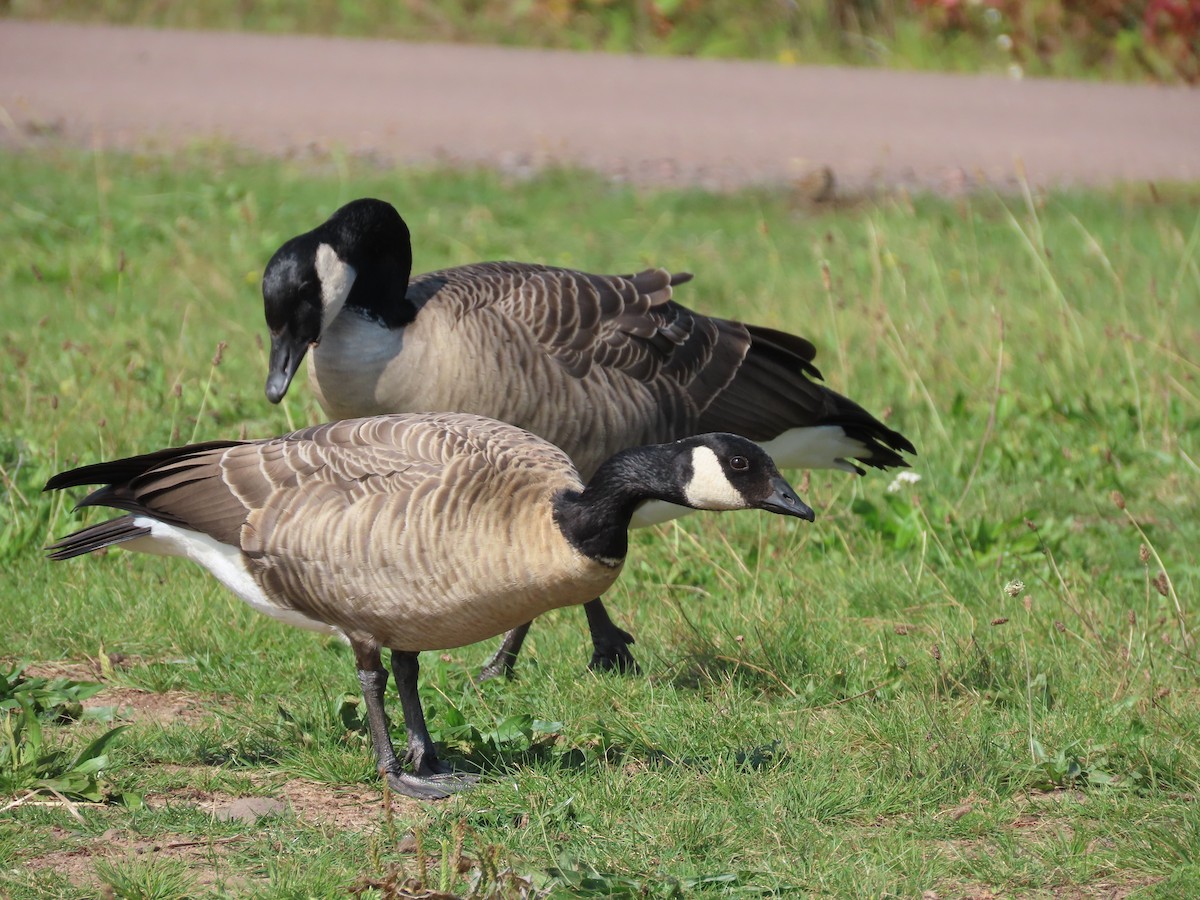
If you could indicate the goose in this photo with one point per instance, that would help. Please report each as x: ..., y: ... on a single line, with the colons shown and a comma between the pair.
x: 592, y: 363
x: 409, y: 532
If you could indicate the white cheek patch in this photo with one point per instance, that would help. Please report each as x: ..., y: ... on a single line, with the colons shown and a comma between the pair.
x: 709, y: 488
x: 336, y: 278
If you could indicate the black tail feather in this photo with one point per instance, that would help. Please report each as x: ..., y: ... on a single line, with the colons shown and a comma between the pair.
x: 790, y: 351
x: 122, y: 471
x: 775, y: 389
x: 885, y: 443
x: 96, y: 537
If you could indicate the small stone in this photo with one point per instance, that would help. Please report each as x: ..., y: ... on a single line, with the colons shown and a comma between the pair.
x: 249, y: 809
x: 816, y: 184
x: 408, y: 844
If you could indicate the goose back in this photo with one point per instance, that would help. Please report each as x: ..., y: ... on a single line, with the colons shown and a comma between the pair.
x: 526, y: 343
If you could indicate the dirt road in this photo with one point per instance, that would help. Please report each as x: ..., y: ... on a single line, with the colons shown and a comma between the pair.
x: 653, y: 120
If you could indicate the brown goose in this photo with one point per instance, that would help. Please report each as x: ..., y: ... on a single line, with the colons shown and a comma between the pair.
x: 410, y: 532
x: 592, y: 363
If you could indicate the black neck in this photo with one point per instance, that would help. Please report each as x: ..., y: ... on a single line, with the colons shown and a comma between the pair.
x: 380, y: 250
x: 596, y: 519
x: 380, y: 288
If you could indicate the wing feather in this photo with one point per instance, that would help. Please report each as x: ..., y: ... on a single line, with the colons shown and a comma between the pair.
x: 219, y: 488
x: 623, y: 324
x: 650, y: 368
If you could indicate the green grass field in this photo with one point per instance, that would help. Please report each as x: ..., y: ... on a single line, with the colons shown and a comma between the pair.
x: 866, y: 706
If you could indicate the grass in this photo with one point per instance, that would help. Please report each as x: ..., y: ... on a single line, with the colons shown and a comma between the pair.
x: 870, y: 705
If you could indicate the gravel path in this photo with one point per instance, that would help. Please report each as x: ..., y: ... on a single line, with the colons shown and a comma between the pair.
x: 671, y: 121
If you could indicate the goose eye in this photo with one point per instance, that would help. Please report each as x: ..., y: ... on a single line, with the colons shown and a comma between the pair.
x: 739, y: 463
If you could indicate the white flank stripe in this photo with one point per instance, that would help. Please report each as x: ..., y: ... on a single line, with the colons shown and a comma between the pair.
x: 823, y: 447
x: 226, y: 563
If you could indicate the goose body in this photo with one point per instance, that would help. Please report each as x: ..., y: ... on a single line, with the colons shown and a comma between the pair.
x: 408, y: 532
x: 592, y: 363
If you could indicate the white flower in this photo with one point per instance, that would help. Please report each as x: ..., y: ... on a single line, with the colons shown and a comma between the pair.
x: 1014, y: 587
x: 902, y: 478
x: 1015, y: 72
x: 1004, y: 42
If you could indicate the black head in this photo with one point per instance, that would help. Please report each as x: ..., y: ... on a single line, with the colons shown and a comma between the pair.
x: 709, y: 471
x: 725, y: 471
x: 360, y: 257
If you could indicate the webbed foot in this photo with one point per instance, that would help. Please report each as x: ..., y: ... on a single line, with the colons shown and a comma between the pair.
x: 436, y: 786
x: 614, y: 656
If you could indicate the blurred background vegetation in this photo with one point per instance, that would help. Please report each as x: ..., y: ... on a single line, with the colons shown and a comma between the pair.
x: 1157, y: 40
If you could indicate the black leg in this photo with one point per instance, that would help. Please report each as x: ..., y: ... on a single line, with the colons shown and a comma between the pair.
x: 374, y: 677
x: 430, y: 778
x: 506, y: 656
x: 610, y: 644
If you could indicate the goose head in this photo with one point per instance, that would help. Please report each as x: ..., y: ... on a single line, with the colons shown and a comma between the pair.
x: 709, y: 471
x: 724, y: 471
x: 360, y: 257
